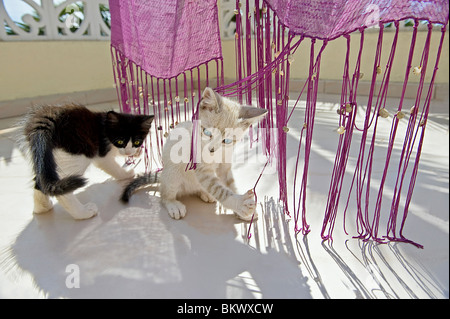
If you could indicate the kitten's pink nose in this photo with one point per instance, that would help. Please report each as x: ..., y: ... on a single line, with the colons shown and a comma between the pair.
x: 130, y: 152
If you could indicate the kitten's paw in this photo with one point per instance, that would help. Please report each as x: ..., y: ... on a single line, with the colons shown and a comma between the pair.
x: 89, y: 210
x: 42, y: 203
x: 246, y: 206
x: 42, y: 208
x: 175, y: 209
x: 207, y: 198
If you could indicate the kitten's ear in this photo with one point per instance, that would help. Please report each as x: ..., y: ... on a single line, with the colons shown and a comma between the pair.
x: 112, y: 117
x: 211, y: 101
x: 250, y: 114
x: 147, y: 121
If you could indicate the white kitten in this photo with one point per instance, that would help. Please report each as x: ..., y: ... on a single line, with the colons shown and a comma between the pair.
x: 222, y: 123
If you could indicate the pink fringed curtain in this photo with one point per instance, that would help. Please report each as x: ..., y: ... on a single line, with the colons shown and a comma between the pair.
x: 158, y: 47
x: 329, y: 19
x: 280, y: 26
x: 166, y: 38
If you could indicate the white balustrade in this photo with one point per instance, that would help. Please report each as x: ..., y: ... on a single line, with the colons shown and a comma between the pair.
x: 68, y: 20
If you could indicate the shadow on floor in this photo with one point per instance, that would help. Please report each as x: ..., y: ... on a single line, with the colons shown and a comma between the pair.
x: 138, y: 251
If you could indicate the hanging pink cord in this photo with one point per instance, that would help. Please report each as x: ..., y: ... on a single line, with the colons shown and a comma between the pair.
x: 311, y: 101
x: 347, y: 121
x: 249, y: 235
x: 422, y: 125
x: 410, y: 140
x: 274, y: 28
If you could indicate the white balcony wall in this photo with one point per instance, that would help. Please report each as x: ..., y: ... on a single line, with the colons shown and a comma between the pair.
x: 70, y: 64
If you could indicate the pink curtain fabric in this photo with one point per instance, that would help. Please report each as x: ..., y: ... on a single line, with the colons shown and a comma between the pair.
x: 329, y: 19
x: 166, y: 37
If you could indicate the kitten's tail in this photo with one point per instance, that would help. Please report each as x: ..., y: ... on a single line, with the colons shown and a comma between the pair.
x: 47, y: 179
x: 138, y: 182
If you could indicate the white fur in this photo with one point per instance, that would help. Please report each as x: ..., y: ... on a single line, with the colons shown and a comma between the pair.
x: 212, y: 179
x: 42, y: 202
x: 69, y: 164
x: 129, y: 150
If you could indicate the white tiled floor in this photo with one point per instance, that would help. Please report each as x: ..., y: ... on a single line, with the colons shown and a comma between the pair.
x: 137, y: 251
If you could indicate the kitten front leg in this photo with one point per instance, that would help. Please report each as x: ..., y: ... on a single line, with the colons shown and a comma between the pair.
x: 109, y: 165
x: 73, y: 206
x: 204, y: 196
x: 226, y: 175
x: 42, y: 202
x: 169, y: 188
x: 175, y: 208
x: 243, y: 205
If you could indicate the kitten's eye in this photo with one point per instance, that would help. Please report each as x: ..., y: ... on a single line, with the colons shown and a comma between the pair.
x: 207, y: 133
x: 227, y: 141
x: 137, y: 143
x: 119, y: 142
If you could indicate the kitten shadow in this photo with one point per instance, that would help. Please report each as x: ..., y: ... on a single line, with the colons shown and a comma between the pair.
x: 7, y: 145
x: 138, y: 251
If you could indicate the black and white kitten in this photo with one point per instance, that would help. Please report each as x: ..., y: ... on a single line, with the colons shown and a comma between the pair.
x: 64, y: 140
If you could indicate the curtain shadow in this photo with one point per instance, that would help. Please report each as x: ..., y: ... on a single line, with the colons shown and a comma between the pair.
x: 138, y: 251
x: 393, y: 273
x: 358, y: 286
x: 306, y: 258
x: 368, y: 269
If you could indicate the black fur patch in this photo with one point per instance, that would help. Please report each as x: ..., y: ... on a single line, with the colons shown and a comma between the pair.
x: 138, y: 182
x: 78, y: 131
